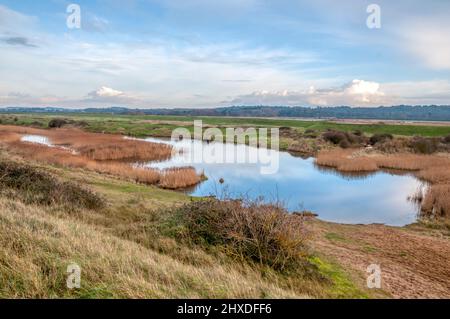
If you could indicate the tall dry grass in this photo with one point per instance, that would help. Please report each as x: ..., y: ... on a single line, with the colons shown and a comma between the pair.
x: 106, y: 147
x: 436, y: 174
x: 343, y: 160
x: 102, y: 147
x: 175, y: 178
x: 38, y: 245
x: 436, y: 203
x: 100, y: 159
x: 357, y: 161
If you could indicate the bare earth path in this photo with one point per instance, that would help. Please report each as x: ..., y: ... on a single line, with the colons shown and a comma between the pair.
x: 415, y: 262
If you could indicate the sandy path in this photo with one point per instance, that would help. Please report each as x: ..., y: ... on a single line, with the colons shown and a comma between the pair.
x: 414, y: 264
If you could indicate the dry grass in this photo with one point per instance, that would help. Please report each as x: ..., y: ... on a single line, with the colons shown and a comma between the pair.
x: 436, y: 174
x: 434, y: 169
x: 37, y: 246
x: 358, y: 161
x: 102, y: 147
x: 107, y: 147
x: 175, y: 178
x: 97, y: 152
x: 343, y: 160
x: 436, y: 203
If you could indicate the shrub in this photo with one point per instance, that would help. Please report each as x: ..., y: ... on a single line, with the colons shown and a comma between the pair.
x: 334, y: 137
x: 380, y: 138
x: 423, y: 145
x: 344, y: 139
x: 57, y: 123
x: 446, y: 139
x: 251, y: 231
x: 35, y: 186
x: 310, y: 133
x: 36, y: 124
x: 344, y: 144
x: 353, y: 139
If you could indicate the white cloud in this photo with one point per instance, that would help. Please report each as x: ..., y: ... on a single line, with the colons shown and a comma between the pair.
x: 107, y: 96
x: 357, y: 92
x: 105, y: 92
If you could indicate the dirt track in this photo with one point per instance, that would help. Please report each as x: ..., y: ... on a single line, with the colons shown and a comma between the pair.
x: 415, y: 263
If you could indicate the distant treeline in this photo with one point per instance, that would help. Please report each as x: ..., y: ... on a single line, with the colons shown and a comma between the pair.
x: 400, y: 112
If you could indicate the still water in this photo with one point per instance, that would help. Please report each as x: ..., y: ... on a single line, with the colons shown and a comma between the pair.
x: 381, y: 197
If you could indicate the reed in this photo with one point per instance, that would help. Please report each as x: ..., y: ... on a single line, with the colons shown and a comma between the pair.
x: 102, y: 147
x: 106, y: 147
x: 436, y: 174
x: 436, y: 203
x: 100, y: 159
x: 179, y: 178
x: 345, y: 161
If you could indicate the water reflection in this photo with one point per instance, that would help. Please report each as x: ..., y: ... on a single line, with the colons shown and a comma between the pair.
x: 379, y: 197
x: 37, y: 139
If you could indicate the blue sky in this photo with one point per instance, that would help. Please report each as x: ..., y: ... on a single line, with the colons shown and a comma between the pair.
x: 204, y: 53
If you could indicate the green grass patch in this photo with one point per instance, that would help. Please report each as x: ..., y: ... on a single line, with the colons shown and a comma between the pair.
x: 342, y: 286
x: 335, y: 237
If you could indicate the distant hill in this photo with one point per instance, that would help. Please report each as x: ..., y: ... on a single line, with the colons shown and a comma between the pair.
x: 399, y: 112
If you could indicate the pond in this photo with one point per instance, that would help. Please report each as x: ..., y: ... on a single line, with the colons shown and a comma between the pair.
x: 381, y: 197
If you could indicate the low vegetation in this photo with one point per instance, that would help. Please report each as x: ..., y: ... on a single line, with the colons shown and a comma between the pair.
x: 345, y: 139
x: 101, y: 153
x: 101, y: 147
x: 34, y: 186
x: 253, y: 232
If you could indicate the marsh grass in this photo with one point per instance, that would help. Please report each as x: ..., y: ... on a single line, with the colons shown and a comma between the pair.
x: 102, y: 153
x: 436, y: 203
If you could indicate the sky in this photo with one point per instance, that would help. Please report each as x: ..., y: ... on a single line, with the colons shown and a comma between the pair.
x: 205, y: 53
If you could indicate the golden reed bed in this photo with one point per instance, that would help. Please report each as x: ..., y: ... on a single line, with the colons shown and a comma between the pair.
x: 434, y: 169
x: 103, y: 153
